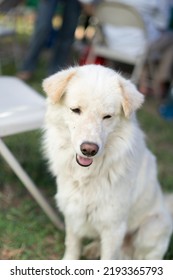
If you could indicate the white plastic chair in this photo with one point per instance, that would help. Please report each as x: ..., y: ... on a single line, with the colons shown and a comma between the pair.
x: 22, y: 109
x: 112, y: 18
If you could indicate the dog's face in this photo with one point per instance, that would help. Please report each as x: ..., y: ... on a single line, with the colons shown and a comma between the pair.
x: 94, y: 99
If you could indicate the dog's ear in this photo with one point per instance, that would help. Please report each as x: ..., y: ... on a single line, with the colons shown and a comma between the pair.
x: 132, y: 98
x: 55, y: 85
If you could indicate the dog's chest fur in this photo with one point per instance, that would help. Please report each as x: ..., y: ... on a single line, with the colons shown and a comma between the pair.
x: 91, y: 205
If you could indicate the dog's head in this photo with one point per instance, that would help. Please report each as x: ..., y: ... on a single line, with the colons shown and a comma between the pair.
x: 95, y: 100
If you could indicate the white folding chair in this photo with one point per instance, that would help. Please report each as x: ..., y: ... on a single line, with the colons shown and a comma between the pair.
x: 22, y: 109
x: 112, y: 18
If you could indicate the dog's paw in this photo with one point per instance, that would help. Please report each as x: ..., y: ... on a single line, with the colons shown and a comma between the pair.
x: 92, y: 251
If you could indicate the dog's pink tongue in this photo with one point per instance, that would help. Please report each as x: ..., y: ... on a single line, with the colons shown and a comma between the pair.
x: 84, y: 161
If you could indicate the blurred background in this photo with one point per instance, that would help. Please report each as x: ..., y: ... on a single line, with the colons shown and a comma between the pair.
x: 25, y: 231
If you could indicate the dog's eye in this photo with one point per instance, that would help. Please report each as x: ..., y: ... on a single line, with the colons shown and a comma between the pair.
x: 76, y: 111
x: 107, y: 117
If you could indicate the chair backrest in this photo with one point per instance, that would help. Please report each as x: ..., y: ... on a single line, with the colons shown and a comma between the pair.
x: 119, y: 14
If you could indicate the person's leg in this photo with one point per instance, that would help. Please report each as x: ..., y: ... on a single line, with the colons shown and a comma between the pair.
x: 43, y: 27
x: 157, y: 62
x: 161, y: 43
x: 65, y: 39
x: 165, y: 68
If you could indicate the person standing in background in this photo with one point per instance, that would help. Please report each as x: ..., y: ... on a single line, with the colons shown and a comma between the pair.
x: 43, y: 27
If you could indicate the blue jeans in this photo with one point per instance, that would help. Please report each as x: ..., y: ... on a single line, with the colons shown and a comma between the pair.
x: 43, y: 27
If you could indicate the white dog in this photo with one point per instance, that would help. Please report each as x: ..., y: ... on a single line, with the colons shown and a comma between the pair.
x: 106, y: 176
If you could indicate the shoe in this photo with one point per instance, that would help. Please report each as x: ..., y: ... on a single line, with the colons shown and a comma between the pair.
x: 24, y: 75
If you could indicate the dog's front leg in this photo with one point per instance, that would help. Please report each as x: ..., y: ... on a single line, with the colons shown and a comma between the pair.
x: 111, y: 242
x: 72, y: 245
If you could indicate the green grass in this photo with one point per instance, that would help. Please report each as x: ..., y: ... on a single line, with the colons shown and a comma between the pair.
x: 159, y: 136
x: 25, y: 231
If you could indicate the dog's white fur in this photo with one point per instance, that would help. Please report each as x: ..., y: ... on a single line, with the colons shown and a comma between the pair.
x: 117, y: 199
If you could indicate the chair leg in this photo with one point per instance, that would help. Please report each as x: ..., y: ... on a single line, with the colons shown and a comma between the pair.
x: 29, y: 184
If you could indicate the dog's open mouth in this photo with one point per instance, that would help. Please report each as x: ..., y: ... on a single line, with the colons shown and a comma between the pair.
x: 84, y: 161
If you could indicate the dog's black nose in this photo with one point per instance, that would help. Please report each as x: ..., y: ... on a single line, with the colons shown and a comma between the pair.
x: 89, y: 149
